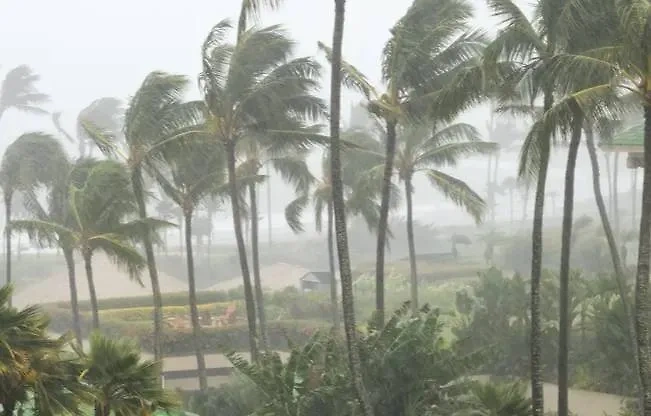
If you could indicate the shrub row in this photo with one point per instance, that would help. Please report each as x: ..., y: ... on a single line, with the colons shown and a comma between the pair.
x: 146, y: 313
x: 180, y: 342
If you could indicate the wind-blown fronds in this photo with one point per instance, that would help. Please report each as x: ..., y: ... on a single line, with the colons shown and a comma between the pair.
x: 18, y: 91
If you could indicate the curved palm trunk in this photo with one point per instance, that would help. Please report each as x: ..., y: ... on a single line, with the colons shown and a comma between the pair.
x: 620, y: 277
x: 616, y: 194
x: 241, y: 249
x: 194, y: 310
x: 566, y: 242
x: 642, y: 306
x: 412, y: 247
x: 384, y: 222
x: 536, y: 270
x: 334, y: 304
x: 74, y: 302
x: 340, y: 215
x: 88, y: 265
x: 136, y: 179
x: 255, y: 262
x: 7, y: 199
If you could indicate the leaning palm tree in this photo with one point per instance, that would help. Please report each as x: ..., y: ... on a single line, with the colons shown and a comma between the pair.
x: 361, y: 193
x: 19, y: 92
x: 428, y: 69
x: 424, y: 150
x: 105, y: 113
x: 190, y: 176
x: 98, y: 211
x: 33, y: 159
x: 154, y: 117
x: 256, y: 88
x: 122, y: 381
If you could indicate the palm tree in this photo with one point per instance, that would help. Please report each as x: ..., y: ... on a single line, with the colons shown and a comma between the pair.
x: 98, y: 209
x: 37, y: 371
x: 429, y: 70
x: 192, y: 175
x: 510, y: 184
x: 19, y: 92
x: 33, y: 159
x: 123, y: 383
x: 105, y: 113
x: 339, y: 210
x: 360, y: 190
x: 248, y: 94
x: 422, y: 149
x: 154, y: 117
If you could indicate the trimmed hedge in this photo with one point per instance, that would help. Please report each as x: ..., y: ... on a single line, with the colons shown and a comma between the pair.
x: 146, y: 313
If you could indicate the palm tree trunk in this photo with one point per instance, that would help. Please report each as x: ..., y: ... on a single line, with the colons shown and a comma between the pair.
x: 642, y: 307
x: 7, y: 199
x: 74, y: 302
x: 412, y: 247
x: 340, y: 214
x: 194, y: 311
x: 136, y: 179
x: 566, y: 241
x: 255, y: 260
x: 616, y: 194
x: 620, y: 277
x: 384, y: 221
x: 634, y: 199
x: 334, y: 303
x: 536, y: 270
x: 607, y: 157
x: 241, y: 249
x: 88, y: 265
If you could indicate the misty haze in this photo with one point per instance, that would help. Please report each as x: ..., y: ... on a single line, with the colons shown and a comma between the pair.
x: 325, y: 208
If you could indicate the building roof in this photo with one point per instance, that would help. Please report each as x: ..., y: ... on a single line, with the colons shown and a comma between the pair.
x: 317, y: 277
x: 630, y: 140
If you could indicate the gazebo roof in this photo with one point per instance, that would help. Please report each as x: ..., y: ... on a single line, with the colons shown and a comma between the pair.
x: 630, y: 140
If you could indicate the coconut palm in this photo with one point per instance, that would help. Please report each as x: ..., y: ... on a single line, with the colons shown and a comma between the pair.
x: 122, y: 381
x: 154, y: 117
x: 19, y: 92
x: 423, y: 150
x: 361, y: 192
x: 98, y: 211
x: 428, y: 68
x: 251, y: 89
x: 105, y: 113
x: 189, y: 177
x: 33, y: 159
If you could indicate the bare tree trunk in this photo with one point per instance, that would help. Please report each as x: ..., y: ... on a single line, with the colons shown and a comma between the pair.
x: 334, y: 302
x: 566, y: 243
x: 139, y: 192
x: 255, y: 260
x: 412, y: 247
x: 74, y: 302
x: 88, y: 265
x: 340, y: 215
x: 7, y: 199
x: 384, y: 221
x: 194, y: 310
x: 642, y: 306
x: 241, y: 249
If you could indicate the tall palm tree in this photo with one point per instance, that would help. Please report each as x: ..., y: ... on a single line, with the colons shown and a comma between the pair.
x: 19, y: 92
x: 291, y: 165
x: 33, y: 159
x: 154, y: 117
x: 105, y: 113
x: 339, y: 210
x: 98, y: 211
x: 360, y: 190
x: 428, y: 69
x: 189, y: 176
x: 423, y: 149
x: 122, y: 381
x: 255, y: 88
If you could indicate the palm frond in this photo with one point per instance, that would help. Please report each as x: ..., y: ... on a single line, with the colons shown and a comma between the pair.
x: 123, y: 254
x: 294, y: 212
x: 351, y: 77
x: 458, y: 192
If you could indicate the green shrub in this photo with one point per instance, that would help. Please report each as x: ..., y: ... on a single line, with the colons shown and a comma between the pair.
x: 146, y: 313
